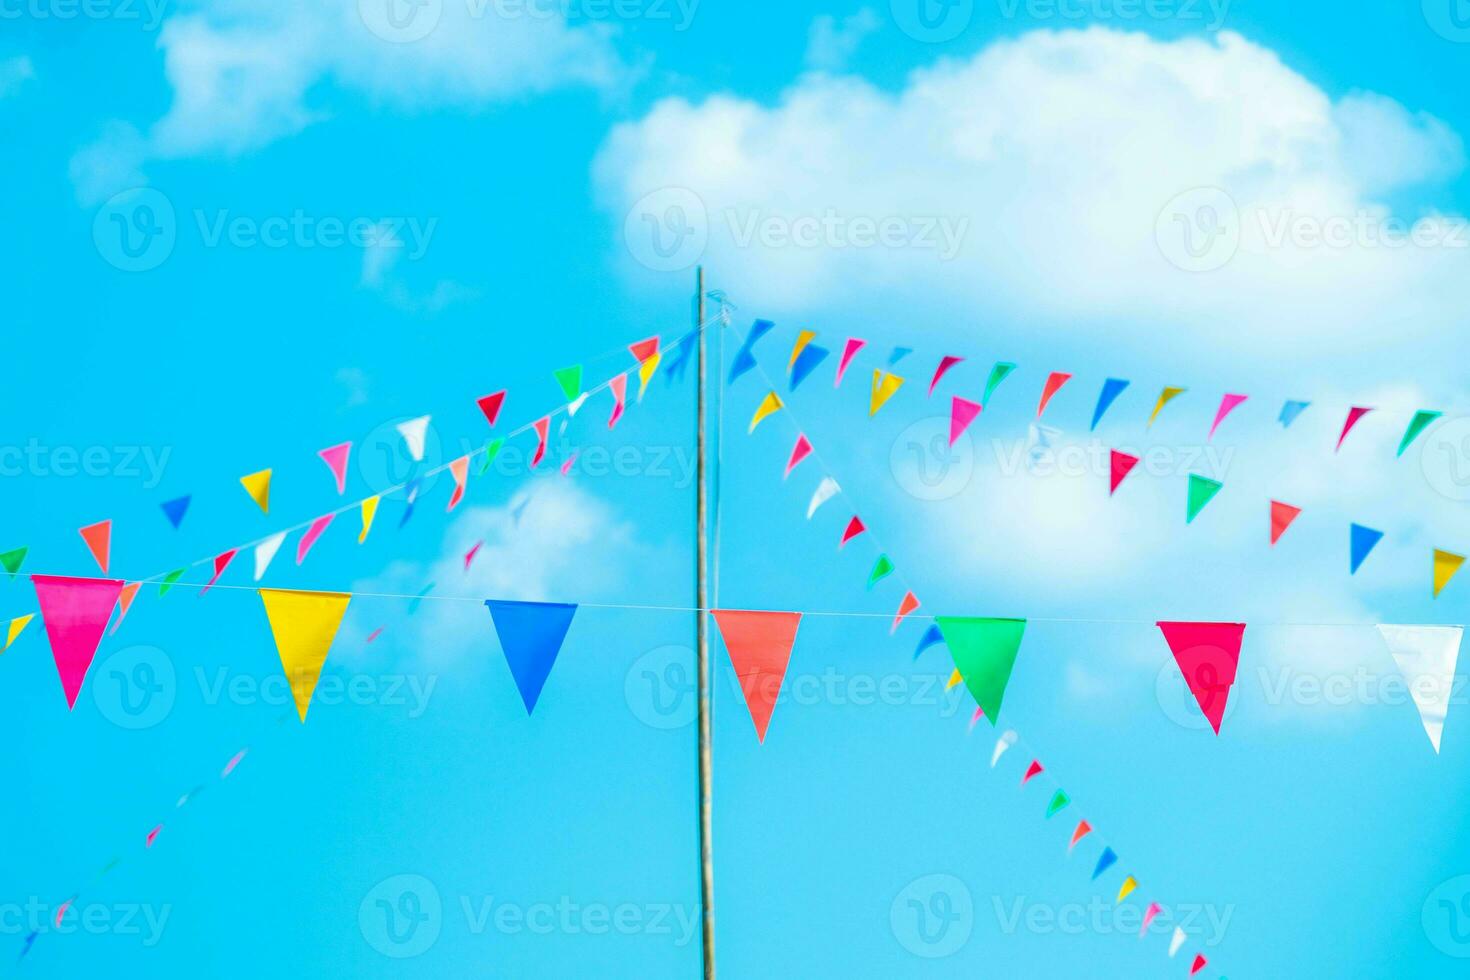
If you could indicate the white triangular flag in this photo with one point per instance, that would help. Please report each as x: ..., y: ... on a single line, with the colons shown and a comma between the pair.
x: 826, y: 490
x: 413, y: 436
x: 1001, y: 744
x: 1177, y: 941
x: 265, y: 551
x: 1426, y: 657
x: 575, y: 404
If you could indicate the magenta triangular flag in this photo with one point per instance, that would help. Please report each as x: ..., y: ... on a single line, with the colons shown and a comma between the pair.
x: 312, y: 533
x: 1228, y: 404
x: 799, y: 452
x: 854, y: 344
x: 1355, y: 415
x: 1123, y: 464
x: 945, y: 363
x: 962, y: 412
x: 1208, y: 655
x: 336, y: 459
x: 75, y: 611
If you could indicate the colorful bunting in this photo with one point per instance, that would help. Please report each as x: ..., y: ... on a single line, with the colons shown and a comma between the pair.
x: 1361, y: 540
x: 1355, y: 415
x: 854, y: 528
x: 644, y: 349
x: 1281, y: 517
x: 1083, y: 829
x: 882, y: 568
x: 1201, y: 491
x: 908, y: 604
x: 799, y: 452
x: 745, y: 357
x: 1105, y: 861
x: 1002, y: 745
x: 1059, y: 801
x: 221, y: 562
x: 1446, y: 564
x: 1422, y: 420
x: 619, y: 388
x: 336, y: 459
x: 13, y: 559
x: 984, y: 652
x: 1165, y: 397
x: 1122, y: 465
x: 1228, y: 404
x: 258, y: 485
x: 17, y: 625
x: 542, y: 427
x: 175, y: 510
x: 531, y: 635
x: 1208, y: 655
x: 1426, y: 656
x: 75, y: 612
x: 931, y: 637
x: 570, y: 380
x: 1032, y: 771
x: 459, y: 470
x: 826, y: 490
x: 945, y: 363
x: 304, y: 625
x: 807, y: 363
x: 1054, y: 382
x: 1112, y: 388
x: 491, y: 405
x: 850, y: 349
x: 414, y: 433
x: 962, y: 412
x: 884, y: 386
x: 310, y: 537
x: 759, y: 644
x: 803, y: 337
x: 769, y: 405
x: 369, y: 511
x: 1130, y: 884
x: 99, y: 542
x: 1290, y: 411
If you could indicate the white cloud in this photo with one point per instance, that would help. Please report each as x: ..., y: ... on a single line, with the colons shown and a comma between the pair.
x: 15, y: 72
x: 832, y: 43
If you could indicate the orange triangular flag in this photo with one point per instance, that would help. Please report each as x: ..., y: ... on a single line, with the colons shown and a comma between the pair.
x: 124, y: 600
x: 759, y: 644
x: 99, y: 541
x: 909, y: 604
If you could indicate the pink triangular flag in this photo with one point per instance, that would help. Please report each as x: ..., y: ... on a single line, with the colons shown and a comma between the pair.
x: 312, y: 533
x: 1032, y: 771
x: 491, y: 405
x: 945, y: 363
x: 854, y: 528
x: 336, y: 459
x: 1054, y: 382
x: 909, y: 604
x: 1123, y: 464
x: 469, y: 556
x: 152, y: 836
x: 1228, y: 404
x: 619, y: 388
x: 459, y: 469
x: 1208, y: 655
x: 99, y: 541
x: 75, y: 611
x: 853, y: 346
x: 566, y: 464
x: 221, y: 562
x: 124, y: 603
x: 962, y: 412
x: 542, y: 427
x: 799, y: 452
x: 975, y: 718
x: 1149, y: 916
x: 1355, y: 414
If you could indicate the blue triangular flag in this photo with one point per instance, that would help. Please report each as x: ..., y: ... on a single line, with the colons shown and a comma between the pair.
x: 1363, y: 541
x: 898, y: 354
x: 412, y: 493
x: 1104, y: 862
x: 806, y: 362
x: 745, y: 356
x: 1290, y: 411
x: 531, y: 634
x: 684, y: 347
x: 931, y: 637
x: 174, y: 510
x: 1112, y: 388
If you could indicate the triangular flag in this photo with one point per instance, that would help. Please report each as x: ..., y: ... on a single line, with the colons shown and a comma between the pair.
x: 75, y: 612
x: 683, y: 348
x: 759, y: 644
x: 1208, y: 655
x: 17, y: 625
x: 1083, y: 829
x: 803, y: 338
x: 1032, y: 771
x: 945, y: 363
x: 898, y: 354
x: 492, y: 449
x: 542, y: 427
x: 931, y: 637
x: 13, y: 559
x: 304, y: 625
x: 1176, y: 941
x: 566, y: 464
x: 1129, y: 886
x: 1417, y: 425
x: 745, y: 357
x: 531, y: 634
x: 99, y: 541
x: 1105, y: 861
x: 469, y: 556
x: 645, y: 372
x: 414, y: 432
x: 619, y: 388
x: 1290, y: 411
x: 998, y: 374
x: 1361, y: 540
x: 771, y: 403
x: 1201, y: 491
x: 336, y: 459
x: 1281, y: 517
x: 799, y: 452
x: 312, y: 533
x: 1355, y: 414
x: 1112, y: 388
x: 221, y: 562
x: 570, y: 380
x: 573, y: 407
x: 1059, y: 801
x: 984, y: 652
x: 884, y: 385
x: 1446, y: 564
x: 854, y: 528
x: 410, y: 495
x: 1165, y: 397
x: 979, y: 713
x: 1149, y: 916
x: 1122, y: 465
x: 1228, y: 404
x: 1002, y: 745
x: 265, y: 552
x: 258, y: 485
x: 175, y: 510
x: 955, y: 680
x: 491, y: 406
x: 826, y: 490
x: 908, y: 604
x: 369, y: 511
x: 807, y: 363
x: 1426, y: 656
x: 851, y: 348
x: 459, y: 469
x: 962, y: 412
x: 170, y: 579
x: 1054, y: 382
x: 882, y: 568
x: 1199, y: 964
x: 644, y: 349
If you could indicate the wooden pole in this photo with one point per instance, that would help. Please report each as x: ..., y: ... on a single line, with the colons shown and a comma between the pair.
x: 701, y: 630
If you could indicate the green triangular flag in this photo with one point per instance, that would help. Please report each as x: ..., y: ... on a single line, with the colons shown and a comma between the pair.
x: 1058, y: 803
x: 13, y: 559
x: 1201, y: 491
x: 1416, y: 428
x: 170, y: 579
x: 570, y: 379
x: 984, y: 652
x: 997, y: 375
x: 492, y: 449
x: 882, y: 568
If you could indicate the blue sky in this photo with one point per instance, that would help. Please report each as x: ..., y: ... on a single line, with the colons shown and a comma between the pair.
x: 355, y: 219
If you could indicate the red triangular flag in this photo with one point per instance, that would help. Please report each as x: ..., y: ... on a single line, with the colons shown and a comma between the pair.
x: 1032, y: 771
x: 962, y: 412
x: 854, y: 528
x: 99, y: 541
x: 491, y: 404
x: 543, y: 428
x: 799, y: 452
x: 75, y: 611
x: 909, y: 604
x: 1199, y: 964
x: 1281, y: 517
x: 945, y: 363
x: 759, y: 644
x: 1123, y: 464
x: 221, y: 562
x: 1355, y: 414
x: 1083, y: 829
x: 1054, y: 383
x: 1208, y: 655
x: 644, y: 349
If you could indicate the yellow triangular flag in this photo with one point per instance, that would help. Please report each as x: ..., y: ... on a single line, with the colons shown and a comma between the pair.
x: 884, y: 385
x: 258, y: 485
x: 772, y: 403
x: 1128, y: 885
x: 645, y: 372
x: 1446, y: 564
x: 16, y: 625
x: 954, y: 679
x: 802, y: 339
x: 369, y: 511
x: 304, y: 625
x: 1165, y: 397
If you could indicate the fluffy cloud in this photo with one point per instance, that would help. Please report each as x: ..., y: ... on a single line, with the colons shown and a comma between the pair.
x: 832, y: 42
